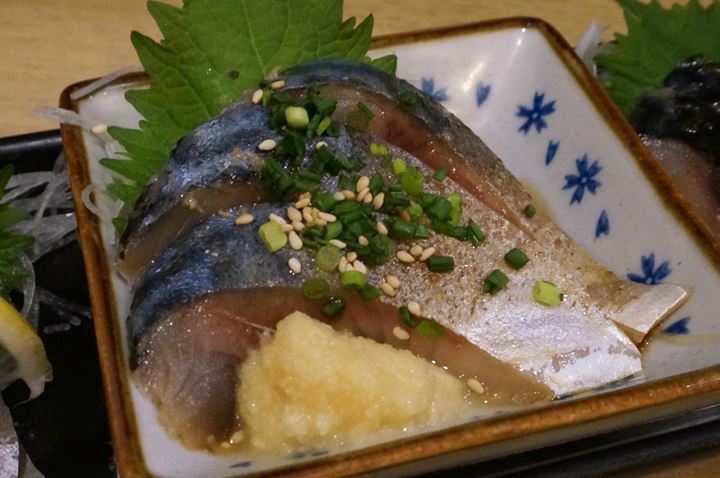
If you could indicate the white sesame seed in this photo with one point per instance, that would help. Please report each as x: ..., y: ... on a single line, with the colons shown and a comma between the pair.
x: 320, y: 144
x: 361, y: 195
x: 363, y: 240
x: 338, y: 243
x: 362, y: 183
x: 349, y: 195
x: 295, y: 241
x: 339, y: 196
x: 267, y: 145
x: 287, y: 228
x: 293, y: 214
x: 427, y: 253
x: 378, y: 200
x: 298, y: 226
x: 349, y: 267
x: 257, y: 96
x: 320, y: 222
x: 414, y: 308
x: 278, y: 219
x: 295, y: 265
x: 307, y: 215
x: 342, y: 266
x: 277, y: 84
x: 405, y: 257
x: 302, y: 203
x: 400, y: 333
x: 315, y: 211
x: 326, y: 216
x: 381, y: 228
x: 351, y: 256
x: 244, y: 219
x: 387, y: 289
x: 475, y: 386
x: 368, y: 198
x: 416, y: 250
x: 100, y: 128
x: 404, y: 215
x: 393, y: 281
x: 359, y: 266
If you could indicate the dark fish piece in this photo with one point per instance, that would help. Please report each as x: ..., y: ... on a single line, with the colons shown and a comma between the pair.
x: 209, y: 299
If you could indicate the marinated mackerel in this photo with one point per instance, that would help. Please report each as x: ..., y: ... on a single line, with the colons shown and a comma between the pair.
x: 345, y: 193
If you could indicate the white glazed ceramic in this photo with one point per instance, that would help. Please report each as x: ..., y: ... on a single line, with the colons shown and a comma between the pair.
x: 513, y: 84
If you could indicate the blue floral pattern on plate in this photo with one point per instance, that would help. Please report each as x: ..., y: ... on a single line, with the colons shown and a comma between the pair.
x: 428, y: 86
x: 482, y: 91
x: 603, y: 225
x: 584, y: 179
x: 679, y: 327
x: 535, y: 115
x: 650, y: 275
x: 552, y: 150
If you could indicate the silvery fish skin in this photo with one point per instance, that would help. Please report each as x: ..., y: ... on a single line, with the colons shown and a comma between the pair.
x: 569, y: 348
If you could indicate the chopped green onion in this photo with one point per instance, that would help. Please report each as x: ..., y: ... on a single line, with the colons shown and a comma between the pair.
x: 430, y: 329
x: 323, y: 125
x: 406, y: 317
x: 400, y: 229
x: 334, y: 307
x: 516, y: 258
x: 495, y: 282
x: 441, y: 173
x: 408, y: 100
x: 272, y: 236
x: 333, y: 230
x: 315, y: 288
x: 293, y: 146
x: 359, y: 119
x: 394, y: 199
x: 447, y: 229
x: 456, y: 201
x: 440, y: 209
x: 412, y: 181
x: 399, y: 167
x: 296, y: 117
x: 529, y: 210
x: 352, y: 280
x: 321, y: 106
x: 475, y: 233
x: 325, y: 201
x: 440, y: 264
x: 415, y: 211
x: 328, y: 258
x: 422, y: 232
x: 369, y: 292
x: 378, y: 149
x: 547, y: 293
x: 267, y: 94
x: 377, y: 183
x: 346, y: 183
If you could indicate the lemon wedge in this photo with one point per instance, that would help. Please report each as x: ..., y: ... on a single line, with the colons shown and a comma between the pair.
x: 22, y: 354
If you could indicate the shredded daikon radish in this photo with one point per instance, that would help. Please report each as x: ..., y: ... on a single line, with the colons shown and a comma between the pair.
x: 587, y: 47
x: 31, y: 307
x: 64, y: 116
x: 105, y: 80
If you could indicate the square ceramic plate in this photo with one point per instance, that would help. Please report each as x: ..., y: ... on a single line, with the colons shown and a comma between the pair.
x: 520, y: 87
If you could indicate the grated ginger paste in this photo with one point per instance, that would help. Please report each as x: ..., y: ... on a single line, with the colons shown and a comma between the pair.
x: 310, y: 387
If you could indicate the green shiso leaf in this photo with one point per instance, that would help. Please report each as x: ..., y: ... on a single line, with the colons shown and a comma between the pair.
x: 214, y: 50
x: 12, y: 273
x: 658, y: 39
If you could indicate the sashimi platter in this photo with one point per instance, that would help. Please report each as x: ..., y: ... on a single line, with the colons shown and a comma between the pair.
x: 304, y: 259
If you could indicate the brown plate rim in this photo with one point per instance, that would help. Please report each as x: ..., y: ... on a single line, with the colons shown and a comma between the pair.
x: 556, y: 415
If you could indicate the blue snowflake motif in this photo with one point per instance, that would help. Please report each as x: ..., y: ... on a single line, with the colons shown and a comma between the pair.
x: 585, y: 179
x: 551, y: 151
x: 536, y: 114
x: 679, y: 327
x: 603, y: 225
x: 650, y: 275
x: 428, y: 86
x: 482, y: 91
